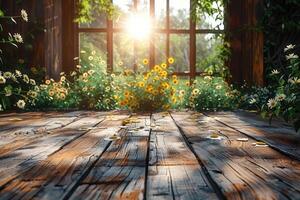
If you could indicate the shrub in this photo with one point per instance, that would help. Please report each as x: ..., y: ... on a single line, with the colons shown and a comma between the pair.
x: 213, y: 93
x: 150, y: 91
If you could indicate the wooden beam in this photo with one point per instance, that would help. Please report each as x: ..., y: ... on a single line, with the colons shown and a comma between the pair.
x: 70, y: 36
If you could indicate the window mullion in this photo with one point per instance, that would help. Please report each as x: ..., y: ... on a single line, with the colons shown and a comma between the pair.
x: 192, y: 45
x: 168, y: 30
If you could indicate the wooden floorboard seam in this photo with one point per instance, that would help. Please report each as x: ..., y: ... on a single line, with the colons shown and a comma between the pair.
x: 210, y: 180
x: 147, y: 160
x: 84, y: 174
x: 286, y: 153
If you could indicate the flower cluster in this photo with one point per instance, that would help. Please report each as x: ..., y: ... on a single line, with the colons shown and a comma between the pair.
x: 212, y: 93
x: 16, y: 90
x: 148, y: 91
x: 282, y: 98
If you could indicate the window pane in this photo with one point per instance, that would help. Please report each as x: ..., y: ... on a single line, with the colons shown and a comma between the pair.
x: 122, y: 52
x: 142, y: 52
x: 143, y: 6
x: 160, y: 48
x: 126, y: 7
x: 180, y: 50
x: 179, y: 14
x: 99, y: 22
x: 207, y: 47
x: 160, y: 13
x: 90, y: 42
x: 215, y: 21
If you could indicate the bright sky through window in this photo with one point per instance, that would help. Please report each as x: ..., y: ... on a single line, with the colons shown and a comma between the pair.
x: 139, y: 26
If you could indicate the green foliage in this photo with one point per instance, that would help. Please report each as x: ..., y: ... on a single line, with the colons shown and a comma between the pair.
x: 282, y: 98
x: 213, y: 93
x: 15, y: 89
x: 210, y: 7
x: 88, y: 87
x: 281, y: 26
x: 88, y: 9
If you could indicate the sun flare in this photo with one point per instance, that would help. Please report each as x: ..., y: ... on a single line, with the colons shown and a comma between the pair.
x: 139, y: 26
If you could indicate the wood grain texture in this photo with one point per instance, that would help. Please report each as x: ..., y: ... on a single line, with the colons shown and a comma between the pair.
x: 241, y: 170
x: 174, y: 172
x: 278, y: 135
x: 63, y: 157
x: 120, y: 171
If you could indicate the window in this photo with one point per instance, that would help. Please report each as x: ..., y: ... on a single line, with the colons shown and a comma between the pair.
x: 159, y: 29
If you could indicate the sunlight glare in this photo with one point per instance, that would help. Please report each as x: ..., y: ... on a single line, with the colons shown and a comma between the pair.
x: 139, y: 26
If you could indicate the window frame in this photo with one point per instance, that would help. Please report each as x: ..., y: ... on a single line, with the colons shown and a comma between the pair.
x: 192, y: 31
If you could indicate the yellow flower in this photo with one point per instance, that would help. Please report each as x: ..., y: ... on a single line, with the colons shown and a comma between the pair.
x: 120, y: 63
x: 145, y: 61
x: 51, y: 93
x: 149, y: 88
x: 174, y: 99
x: 62, y: 96
x: 126, y: 93
x: 85, y: 75
x: 181, y: 92
x: 170, y: 60
x: 187, y: 83
x: 84, y: 89
x: 91, y: 72
x: 165, y: 85
x: 156, y: 68
x: 164, y: 65
x: 174, y: 77
x: 195, y: 91
x: 141, y: 84
x: 175, y: 81
x: 63, y: 79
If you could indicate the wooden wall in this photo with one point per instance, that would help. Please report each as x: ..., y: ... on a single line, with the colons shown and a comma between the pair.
x: 246, y: 39
x: 56, y: 48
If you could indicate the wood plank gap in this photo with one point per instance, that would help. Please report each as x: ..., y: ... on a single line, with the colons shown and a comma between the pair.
x: 147, y: 160
x: 84, y: 174
x: 214, y: 185
x: 282, y: 151
x: 75, y: 138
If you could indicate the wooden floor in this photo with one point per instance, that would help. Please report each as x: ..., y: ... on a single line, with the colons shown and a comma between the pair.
x: 177, y: 155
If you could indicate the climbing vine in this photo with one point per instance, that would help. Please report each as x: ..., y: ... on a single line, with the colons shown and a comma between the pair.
x: 88, y: 9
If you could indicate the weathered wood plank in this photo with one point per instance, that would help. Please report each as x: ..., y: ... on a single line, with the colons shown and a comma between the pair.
x: 241, y: 170
x: 17, y: 133
x: 280, y: 137
x: 174, y: 172
x: 120, y: 171
x: 59, y: 173
x: 15, y: 162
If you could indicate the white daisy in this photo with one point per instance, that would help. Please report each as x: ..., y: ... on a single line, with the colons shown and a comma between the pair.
x: 2, y: 80
x: 21, y: 104
x: 24, y: 15
x: 272, y: 103
x: 294, y: 80
x: 280, y: 97
x: 289, y: 47
x: 18, y: 73
x: 7, y: 75
x: 32, y: 82
x: 274, y: 72
x: 292, y: 56
x: 252, y: 101
x: 18, y: 38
